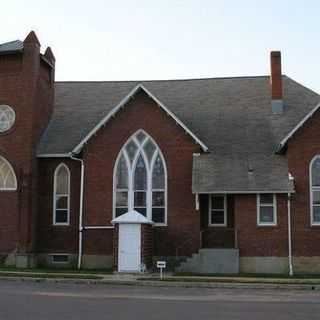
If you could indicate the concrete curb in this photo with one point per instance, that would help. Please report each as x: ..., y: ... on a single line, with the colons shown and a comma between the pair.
x: 177, y: 284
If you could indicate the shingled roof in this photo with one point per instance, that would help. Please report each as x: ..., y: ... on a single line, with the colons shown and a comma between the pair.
x: 232, y: 116
x: 11, y: 47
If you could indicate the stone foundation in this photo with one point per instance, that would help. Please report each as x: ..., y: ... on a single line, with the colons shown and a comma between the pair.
x: 264, y: 265
x: 8, y: 260
x: 26, y: 260
x: 90, y: 261
x: 45, y: 260
x: 306, y: 265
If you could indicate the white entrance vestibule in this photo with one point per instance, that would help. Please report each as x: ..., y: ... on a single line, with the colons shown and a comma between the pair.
x: 129, y: 241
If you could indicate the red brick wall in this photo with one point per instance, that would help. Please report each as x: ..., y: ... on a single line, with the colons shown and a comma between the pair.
x: 182, y: 233
x: 98, y: 241
x: 9, y: 221
x: 147, y: 245
x: 52, y: 238
x: 301, y: 149
x: 10, y: 69
x: 217, y: 237
x: 22, y: 87
x: 254, y: 240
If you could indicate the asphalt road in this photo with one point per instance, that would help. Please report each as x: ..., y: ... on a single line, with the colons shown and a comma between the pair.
x: 46, y: 301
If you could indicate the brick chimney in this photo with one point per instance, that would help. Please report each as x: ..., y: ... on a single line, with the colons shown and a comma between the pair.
x: 276, y: 82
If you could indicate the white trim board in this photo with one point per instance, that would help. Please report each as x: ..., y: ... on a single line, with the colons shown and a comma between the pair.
x: 54, y: 155
x: 284, y: 141
x: 122, y: 104
x: 245, y: 192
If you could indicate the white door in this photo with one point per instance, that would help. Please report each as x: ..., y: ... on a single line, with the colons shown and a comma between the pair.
x: 129, y: 248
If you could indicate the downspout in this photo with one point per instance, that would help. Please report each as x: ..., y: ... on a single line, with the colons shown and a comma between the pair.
x: 289, y: 236
x: 80, y: 209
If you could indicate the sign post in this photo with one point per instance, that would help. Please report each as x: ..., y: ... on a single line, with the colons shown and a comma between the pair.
x: 161, y: 265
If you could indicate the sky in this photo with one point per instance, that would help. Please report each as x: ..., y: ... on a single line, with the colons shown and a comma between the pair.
x: 170, y: 39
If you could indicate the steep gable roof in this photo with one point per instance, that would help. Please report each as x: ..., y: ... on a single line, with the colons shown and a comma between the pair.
x: 122, y: 104
x: 11, y: 47
x: 301, y: 123
x: 231, y: 116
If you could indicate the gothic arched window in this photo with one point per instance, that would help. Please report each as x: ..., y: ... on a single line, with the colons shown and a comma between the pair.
x: 315, y: 190
x: 140, y: 179
x: 61, y: 196
x: 8, y: 180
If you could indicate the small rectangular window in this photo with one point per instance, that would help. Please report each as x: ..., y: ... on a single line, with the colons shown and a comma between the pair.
x: 122, y: 199
x: 60, y: 258
x: 158, y: 215
x: 121, y: 202
x: 218, y: 210
x: 61, y: 216
x: 266, y: 209
x: 158, y: 207
x: 315, y: 206
x: 121, y: 211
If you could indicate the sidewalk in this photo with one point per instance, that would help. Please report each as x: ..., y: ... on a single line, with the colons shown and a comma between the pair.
x: 168, y: 281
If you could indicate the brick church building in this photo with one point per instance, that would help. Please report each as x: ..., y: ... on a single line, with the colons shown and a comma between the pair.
x: 218, y: 175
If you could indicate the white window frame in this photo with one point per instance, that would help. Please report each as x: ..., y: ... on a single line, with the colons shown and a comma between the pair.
x: 14, y: 175
x: 55, y: 194
x: 149, y: 168
x: 225, y: 222
x: 274, y: 206
x: 311, y: 189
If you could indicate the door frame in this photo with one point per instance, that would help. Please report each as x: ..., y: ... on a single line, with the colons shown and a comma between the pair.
x: 138, y: 249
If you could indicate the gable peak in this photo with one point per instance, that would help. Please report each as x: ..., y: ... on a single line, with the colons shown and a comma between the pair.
x: 32, y: 38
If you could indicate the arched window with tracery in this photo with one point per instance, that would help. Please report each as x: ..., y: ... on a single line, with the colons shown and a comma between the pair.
x: 140, y: 179
x: 8, y: 180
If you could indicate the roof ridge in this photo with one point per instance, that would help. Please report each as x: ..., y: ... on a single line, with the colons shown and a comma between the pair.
x: 9, y: 42
x: 163, y: 80
x: 298, y: 83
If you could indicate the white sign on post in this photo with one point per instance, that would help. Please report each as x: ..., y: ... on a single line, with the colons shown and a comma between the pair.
x: 161, y: 265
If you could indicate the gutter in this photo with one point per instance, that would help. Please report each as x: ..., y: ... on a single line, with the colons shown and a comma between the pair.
x: 80, y: 208
x: 289, y: 236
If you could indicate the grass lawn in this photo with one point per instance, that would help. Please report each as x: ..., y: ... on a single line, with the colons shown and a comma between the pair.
x: 251, y: 275
x: 241, y: 278
x: 4, y: 269
x: 64, y: 273
x: 49, y: 275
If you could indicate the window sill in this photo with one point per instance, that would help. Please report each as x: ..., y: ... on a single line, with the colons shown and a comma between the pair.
x: 315, y: 225
x: 160, y: 225
x: 267, y: 225
x: 217, y: 225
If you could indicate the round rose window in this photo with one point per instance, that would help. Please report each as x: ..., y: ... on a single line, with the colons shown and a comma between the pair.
x: 7, y: 117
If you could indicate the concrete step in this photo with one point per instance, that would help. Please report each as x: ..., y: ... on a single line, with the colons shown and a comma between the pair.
x: 224, y: 261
